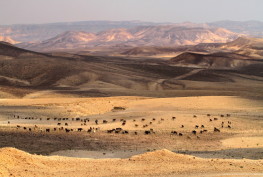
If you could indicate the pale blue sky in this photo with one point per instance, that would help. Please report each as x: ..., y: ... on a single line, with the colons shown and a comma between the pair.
x: 48, y: 11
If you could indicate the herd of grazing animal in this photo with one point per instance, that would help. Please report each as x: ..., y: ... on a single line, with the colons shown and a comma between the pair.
x: 119, y: 130
x: 203, y: 130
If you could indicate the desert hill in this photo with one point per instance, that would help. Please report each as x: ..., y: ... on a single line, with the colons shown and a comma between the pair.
x: 86, y: 75
x: 169, y: 35
x: 8, y: 39
x: 74, y: 37
x: 21, y: 67
x: 9, y: 50
x: 69, y: 39
x: 241, y: 48
x: 252, y: 47
x: 150, y: 51
x: 215, y: 60
x: 172, y: 51
x: 116, y: 35
x: 50, y: 71
x: 243, y: 42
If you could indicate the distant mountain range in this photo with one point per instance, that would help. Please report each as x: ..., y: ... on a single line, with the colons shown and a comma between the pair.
x: 161, y: 35
x: 40, y: 32
x: 251, y: 28
x: 83, y: 35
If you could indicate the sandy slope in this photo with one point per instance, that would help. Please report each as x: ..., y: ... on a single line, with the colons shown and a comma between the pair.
x: 67, y: 106
x: 18, y: 163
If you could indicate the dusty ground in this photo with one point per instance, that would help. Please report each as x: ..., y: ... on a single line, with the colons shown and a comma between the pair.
x: 243, y: 140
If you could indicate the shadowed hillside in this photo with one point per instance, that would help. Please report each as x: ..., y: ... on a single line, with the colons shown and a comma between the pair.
x: 7, y: 49
x: 215, y: 60
x: 24, y: 72
x: 251, y: 47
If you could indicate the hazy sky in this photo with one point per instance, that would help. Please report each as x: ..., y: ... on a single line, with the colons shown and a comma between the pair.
x: 45, y: 11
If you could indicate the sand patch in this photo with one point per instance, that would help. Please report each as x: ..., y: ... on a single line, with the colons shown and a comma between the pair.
x: 208, y: 103
x: 96, y: 154
x: 65, y: 107
x: 243, y: 142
